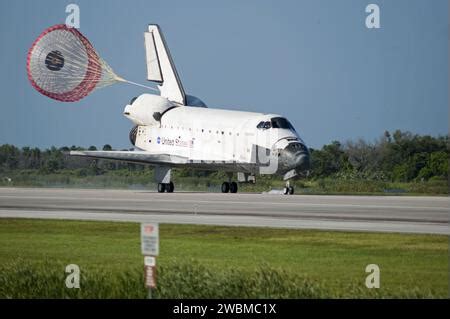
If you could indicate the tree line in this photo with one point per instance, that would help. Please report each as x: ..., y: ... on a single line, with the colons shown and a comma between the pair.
x: 400, y: 156
x: 54, y: 160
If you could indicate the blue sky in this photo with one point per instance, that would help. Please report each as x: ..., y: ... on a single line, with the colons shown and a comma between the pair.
x: 313, y: 61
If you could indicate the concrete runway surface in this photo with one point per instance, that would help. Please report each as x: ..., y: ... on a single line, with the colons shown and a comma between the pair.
x: 405, y: 214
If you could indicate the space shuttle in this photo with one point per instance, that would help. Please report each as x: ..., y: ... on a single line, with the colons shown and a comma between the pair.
x: 177, y: 130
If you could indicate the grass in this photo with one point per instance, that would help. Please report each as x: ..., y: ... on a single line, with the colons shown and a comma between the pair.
x: 215, y: 261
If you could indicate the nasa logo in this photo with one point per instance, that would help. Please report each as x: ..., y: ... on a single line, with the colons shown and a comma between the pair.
x: 158, y: 140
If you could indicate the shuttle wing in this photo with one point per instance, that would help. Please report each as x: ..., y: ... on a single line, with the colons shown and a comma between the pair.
x: 143, y: 157
x: 160, y: 66
x: 133, y: 157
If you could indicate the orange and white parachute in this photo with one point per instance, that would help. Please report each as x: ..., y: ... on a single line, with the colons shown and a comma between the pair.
x: 63, y: 65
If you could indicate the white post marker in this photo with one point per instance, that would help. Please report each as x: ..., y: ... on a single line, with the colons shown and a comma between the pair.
x: 149, y: 261
x: 150, y: 272
x: 150, y: 277
x: 150, y: 249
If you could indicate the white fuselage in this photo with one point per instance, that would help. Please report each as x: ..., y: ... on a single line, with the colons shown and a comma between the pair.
x: 203, y: 134
x: 209, y: 134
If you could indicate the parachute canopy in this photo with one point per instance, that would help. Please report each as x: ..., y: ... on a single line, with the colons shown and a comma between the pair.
x: 63, y: 65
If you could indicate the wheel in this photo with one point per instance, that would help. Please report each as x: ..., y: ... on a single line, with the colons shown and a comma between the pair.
x: 285, y: 190
x: 233, y: 187
x: 225, y: 187
x: 291, y: 190
x: 161, y: 187
x: 170, y: 187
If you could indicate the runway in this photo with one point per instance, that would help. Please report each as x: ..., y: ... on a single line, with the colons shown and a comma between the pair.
x: 404, y: 214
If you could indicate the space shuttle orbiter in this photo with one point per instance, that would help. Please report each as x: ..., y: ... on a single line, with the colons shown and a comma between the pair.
x: 174, y: 129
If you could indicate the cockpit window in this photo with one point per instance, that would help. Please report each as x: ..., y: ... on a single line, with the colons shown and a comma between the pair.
x: 133, y: 99
x: 264, y: 125
x: 281, y: 122
x: 276, y: 122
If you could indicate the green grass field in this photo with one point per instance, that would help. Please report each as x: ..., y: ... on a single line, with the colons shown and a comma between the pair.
x: 213, y: 261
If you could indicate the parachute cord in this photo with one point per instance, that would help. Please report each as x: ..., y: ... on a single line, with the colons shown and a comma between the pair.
x: 118, y: 78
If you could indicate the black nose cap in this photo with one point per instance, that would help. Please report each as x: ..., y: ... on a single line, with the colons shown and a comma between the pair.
x: 297, y: 156
x: 302, y: 161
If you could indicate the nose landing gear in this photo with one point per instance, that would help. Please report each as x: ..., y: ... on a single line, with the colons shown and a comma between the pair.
x: 288, y: 189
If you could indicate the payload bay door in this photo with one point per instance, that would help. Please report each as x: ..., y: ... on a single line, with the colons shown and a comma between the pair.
x: 243, y: 141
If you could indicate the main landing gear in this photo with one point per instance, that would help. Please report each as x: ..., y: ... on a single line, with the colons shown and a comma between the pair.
x: 231, y: 187
x: 166, y: 187
x: 162, y: 177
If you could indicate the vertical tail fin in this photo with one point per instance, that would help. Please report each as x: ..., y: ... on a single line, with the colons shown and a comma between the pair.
x: 160, y: 67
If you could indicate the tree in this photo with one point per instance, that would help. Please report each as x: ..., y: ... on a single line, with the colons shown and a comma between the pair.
x: 9, y: 156
x: 436, y: 166
x: 387, y: 136
x: 329, y: 160
x: 361, y: 155
x: 26, y: 157
x: 35, y: 158
x: 54, y: 160
x: 410, y: 168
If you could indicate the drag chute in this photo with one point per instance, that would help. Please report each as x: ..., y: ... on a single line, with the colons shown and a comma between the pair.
x: 63, y: 65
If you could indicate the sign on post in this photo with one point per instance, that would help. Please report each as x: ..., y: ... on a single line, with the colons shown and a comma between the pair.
x: 149, y: 261
x: 150, y: 277
x: 150, y: 239
x: 150, y: 249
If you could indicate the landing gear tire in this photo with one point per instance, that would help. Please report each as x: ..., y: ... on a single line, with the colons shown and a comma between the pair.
x: 233, y: 187
x: 291, y: 190
x: 225, y: 187
x: 161, y: 187
x: 170, y: 187
x: 288, y: 190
